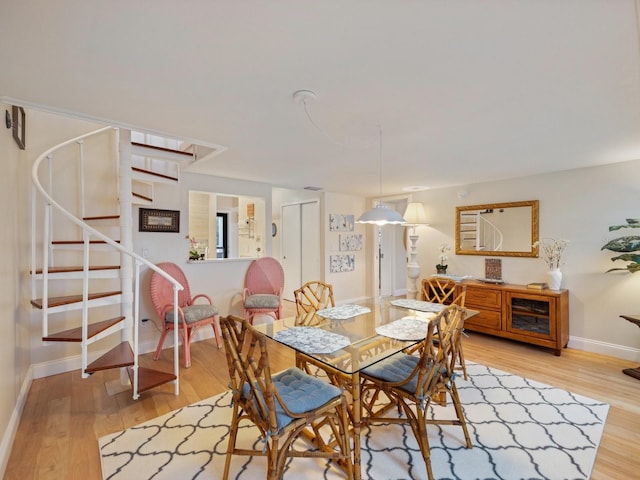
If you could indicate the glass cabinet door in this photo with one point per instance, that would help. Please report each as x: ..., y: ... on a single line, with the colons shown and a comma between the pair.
x: 531, y: 315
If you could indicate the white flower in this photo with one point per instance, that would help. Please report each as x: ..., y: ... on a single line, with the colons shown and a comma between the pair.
x: 444, y: 249
x: 551, y: 251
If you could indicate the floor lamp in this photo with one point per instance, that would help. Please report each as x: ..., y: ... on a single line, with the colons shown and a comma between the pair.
x: 414, y: 215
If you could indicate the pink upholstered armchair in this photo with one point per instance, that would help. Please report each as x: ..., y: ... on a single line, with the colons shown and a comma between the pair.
x: 192, y: 315
x: 263, y: 287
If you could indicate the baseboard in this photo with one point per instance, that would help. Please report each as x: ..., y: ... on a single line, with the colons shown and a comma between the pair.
x: 604, y: 348
x: 14, y: 422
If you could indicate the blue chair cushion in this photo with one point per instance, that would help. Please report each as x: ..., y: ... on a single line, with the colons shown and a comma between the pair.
x: 300, y: 392
x: 194, y: 313
x: 262, y: 300
x: 395, y: 369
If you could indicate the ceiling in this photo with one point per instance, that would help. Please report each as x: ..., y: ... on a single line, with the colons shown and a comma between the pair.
x: 463, y: 91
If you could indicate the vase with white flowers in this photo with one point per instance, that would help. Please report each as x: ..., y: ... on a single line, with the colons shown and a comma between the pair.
x: 551, y: 251
x: 441, y: 267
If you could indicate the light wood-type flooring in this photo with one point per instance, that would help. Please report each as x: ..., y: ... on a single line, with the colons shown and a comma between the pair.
x: 65, y: 415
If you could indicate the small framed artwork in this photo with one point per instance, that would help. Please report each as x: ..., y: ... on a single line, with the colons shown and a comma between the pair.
x: 350, y: 242
x: 340, y: 223
x: 19, y: 129
x: 152, y: 220
x: 342, y: 263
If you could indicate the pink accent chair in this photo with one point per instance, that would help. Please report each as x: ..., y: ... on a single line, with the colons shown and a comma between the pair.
x: 192, y: 316
x: 263, y: 286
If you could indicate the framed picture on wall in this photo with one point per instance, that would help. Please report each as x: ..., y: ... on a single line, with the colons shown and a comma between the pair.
x: 19, y: 129
x: 152, y: 220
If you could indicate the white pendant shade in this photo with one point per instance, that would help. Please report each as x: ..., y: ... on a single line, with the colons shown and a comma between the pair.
x: 381, y: 215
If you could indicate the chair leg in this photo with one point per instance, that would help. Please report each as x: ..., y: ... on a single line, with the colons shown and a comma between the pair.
x: 163, y: 335
x: 455, y: 398
x: 463, y: 366
x: 419, y: 426
x: 186, y: 345
x: 233, y: 433
x: 216, y: 330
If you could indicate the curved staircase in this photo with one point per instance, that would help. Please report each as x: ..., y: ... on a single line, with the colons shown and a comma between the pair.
x: 85, y: 274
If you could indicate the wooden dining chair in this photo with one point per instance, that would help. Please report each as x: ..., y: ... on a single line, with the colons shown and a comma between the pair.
x: 413, y: 383
x: 282, y: 406
x: 195, y: 311
x: 447, y: 292
x: 313, y: 296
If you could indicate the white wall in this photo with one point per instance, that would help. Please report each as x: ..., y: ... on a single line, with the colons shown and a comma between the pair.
x: 15, y: 355
x: 347, y: 286
x: 577, y: 205
x: 221, y: 279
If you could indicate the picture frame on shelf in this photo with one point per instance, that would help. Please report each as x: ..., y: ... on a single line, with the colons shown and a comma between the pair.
x: 19, y: 126
x: 154, y: 220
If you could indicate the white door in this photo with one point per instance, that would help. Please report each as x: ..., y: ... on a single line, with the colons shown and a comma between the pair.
x: 291, y: 230
x: 300, y: 245
x: 393, y: 264
x: 310, y: 248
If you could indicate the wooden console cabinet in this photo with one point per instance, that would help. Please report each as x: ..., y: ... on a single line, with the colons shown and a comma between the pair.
x: 539, y: 317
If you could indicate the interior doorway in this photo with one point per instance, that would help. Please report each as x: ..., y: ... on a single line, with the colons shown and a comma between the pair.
x: 391, y: 271
x: 300, y: 227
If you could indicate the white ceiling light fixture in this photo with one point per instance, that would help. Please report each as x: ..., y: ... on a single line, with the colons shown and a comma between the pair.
x: 381, y: 214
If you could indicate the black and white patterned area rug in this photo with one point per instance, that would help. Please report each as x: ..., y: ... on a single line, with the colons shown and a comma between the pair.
x: 520, y: 429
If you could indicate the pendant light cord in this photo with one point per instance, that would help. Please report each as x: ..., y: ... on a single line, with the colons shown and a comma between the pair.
x: 380, y: 161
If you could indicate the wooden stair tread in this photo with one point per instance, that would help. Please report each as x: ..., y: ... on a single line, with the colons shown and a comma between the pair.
x: 101, y: 217
x: 155, y: 174
x: 78, y: 268
x: 119, y: 356
x: 162, y: 149
x: 149, y: 378
x: 143, y: 197
x: 75, y: 334
x: 66, y: 300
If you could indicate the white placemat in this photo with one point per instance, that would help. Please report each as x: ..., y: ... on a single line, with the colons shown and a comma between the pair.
x: 312, y: 339
x: 343, y: 312
x: 418, y: 305
x: 407, y: 328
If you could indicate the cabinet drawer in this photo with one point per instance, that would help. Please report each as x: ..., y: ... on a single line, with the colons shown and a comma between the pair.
x: 483, y: 298
x: 486, y: 319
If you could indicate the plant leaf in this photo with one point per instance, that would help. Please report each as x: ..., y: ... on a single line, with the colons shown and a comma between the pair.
x: 623, y: 244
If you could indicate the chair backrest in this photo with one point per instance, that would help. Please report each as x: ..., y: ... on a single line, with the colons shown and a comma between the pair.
x: 439, y: 354
x: 265, y: 275
x: 313, y: 296
x: 250, y: 373
x: 443, y: 290
x: 448, y: 334
x: 161, y: 290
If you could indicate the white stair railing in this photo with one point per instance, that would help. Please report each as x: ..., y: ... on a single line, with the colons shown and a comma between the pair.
x: 491, y: 236
x: 88, y: 232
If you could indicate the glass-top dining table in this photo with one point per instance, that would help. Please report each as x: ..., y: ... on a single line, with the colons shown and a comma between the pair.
x: 342, y: 341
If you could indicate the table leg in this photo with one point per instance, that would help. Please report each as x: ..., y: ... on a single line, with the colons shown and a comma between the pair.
x: 356, y: 415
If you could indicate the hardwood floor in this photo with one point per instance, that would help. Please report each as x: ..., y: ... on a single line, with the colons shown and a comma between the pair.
x: 65, y: 415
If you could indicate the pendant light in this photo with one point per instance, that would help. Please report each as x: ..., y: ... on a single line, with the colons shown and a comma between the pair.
x: 381, y: 214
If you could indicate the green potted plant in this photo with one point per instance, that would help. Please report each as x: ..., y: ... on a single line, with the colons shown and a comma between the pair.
x: 625, y: 245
